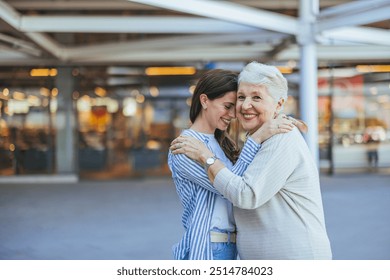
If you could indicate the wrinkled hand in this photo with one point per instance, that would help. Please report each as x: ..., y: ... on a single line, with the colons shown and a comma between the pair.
x: 191, y: 147
x: 302, y: 126
x: 280, y: 124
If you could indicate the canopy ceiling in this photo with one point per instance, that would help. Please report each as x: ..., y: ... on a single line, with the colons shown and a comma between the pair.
x: 108, y: 33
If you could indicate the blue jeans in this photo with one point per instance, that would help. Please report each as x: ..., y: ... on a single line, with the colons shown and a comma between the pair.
x: 224, y: 250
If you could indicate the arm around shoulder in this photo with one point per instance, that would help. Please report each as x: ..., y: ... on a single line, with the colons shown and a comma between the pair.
x: 265, y: 176
x: 186, y: 168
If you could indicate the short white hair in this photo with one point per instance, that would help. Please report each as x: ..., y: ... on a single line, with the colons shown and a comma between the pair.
x: 270, y: 76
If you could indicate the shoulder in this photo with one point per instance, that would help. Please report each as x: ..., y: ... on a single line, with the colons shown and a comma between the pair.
x: 182, y: 166
x: 287, y: 144
x: 195, y: 134
x: 285, y: 138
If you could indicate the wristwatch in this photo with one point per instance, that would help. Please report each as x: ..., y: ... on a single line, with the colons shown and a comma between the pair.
x: 210, y: 161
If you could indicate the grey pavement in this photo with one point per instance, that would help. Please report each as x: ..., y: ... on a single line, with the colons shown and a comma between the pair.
x: 141, y: 219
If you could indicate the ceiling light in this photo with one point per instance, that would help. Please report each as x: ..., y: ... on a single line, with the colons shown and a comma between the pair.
x: 140, y: 98
x: 99, y: 91
x: 19, y: 95
x: 285, y: 69
x: 372, y: 68
x: 54, y: 92
x: 44, y: 91
x: 43, y: 72
x: 161, y: 71
x: 154, y: 91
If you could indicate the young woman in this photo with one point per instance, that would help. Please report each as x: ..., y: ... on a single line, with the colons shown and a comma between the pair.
x: 210, y: 228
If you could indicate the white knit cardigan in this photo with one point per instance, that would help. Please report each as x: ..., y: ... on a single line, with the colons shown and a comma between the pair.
x: 278, y: 205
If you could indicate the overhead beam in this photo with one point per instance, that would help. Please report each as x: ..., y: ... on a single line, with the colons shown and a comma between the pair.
x: 283, y: 4
x: 284, y: 44
x: 68, y: 5
x: 234, y: 23
x: 230, y: 12
x: 9, y: 15
x: 200, y: 53
x: 13, y: 18
x: 12, y: 59
x: 174, y: 42
x: 240, y: 53
x: 342, y: 53
x: 351, y: 7
x: 20, y: 45
x: 48, y: 44
x: 133, y: 24
x: 365, y: 35
x: 353, y: 13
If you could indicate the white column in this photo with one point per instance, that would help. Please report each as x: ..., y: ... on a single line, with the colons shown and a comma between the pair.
x: 308, y: 90
x: 65, y: 123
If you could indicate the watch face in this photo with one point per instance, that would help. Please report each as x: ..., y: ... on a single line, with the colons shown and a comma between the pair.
x: 210, y: 161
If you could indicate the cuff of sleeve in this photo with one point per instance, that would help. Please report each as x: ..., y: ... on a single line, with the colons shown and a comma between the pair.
x: 249, y: 150
x: 222, y: 179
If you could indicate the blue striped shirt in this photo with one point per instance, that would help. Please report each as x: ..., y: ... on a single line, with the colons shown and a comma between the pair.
x: 197, y: 197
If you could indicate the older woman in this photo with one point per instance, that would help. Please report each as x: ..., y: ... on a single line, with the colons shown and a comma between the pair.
x: 277, y: 201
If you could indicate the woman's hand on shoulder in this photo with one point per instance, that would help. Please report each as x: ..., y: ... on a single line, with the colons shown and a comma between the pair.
x: 301, y: 125
x: 280, y: 124
x: 191, y: 147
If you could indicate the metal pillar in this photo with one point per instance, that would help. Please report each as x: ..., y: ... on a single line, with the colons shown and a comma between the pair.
x: 308, y: 90
x: 65, y: 148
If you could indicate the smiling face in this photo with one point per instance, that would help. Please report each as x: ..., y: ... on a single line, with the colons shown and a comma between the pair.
x: 255, y: 106
x: 219, y: 112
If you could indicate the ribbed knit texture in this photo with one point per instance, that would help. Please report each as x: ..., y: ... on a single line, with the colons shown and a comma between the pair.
x: 278, y: 205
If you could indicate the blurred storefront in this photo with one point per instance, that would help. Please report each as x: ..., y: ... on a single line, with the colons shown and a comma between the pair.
x: 124, y: 132
x: 354, y: 105
x: 115, y: 133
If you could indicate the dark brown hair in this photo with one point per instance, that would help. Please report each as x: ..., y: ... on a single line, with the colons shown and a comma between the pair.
x: 215, y: 84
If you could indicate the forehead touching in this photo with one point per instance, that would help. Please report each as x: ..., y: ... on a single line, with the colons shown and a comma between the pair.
x: 248, y: 88
x: 257, y: 73
x: 228, y: 97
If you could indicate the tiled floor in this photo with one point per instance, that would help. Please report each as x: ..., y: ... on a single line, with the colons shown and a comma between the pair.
x: 141, y: 219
